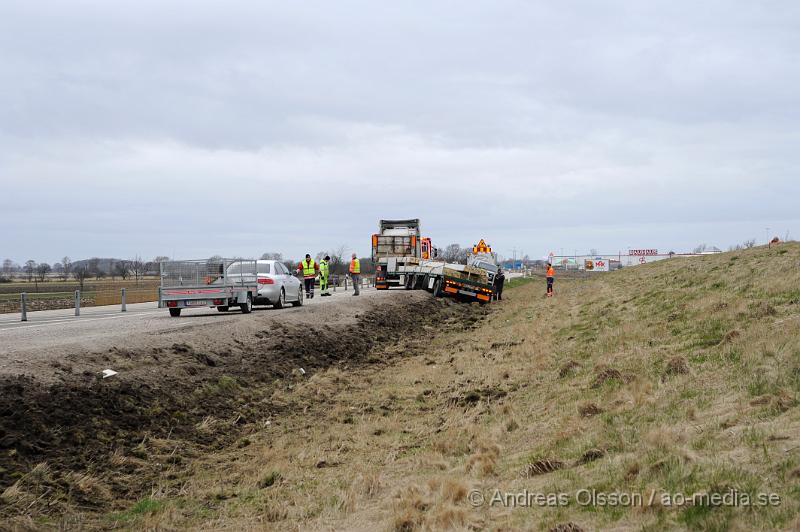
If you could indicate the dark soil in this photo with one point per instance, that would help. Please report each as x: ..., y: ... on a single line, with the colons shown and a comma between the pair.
x: 79, y: 423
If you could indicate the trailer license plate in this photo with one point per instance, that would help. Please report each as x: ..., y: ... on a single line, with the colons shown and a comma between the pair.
x: 196, y: 302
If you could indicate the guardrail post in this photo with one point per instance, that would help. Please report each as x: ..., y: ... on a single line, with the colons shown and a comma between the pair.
x: 160, y: 305
x: 124, y: 306
x: 24, y: 304
x: 77, y: 302
x: 345, y: 283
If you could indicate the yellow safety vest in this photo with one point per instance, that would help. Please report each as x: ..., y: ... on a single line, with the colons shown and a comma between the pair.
x: 308, y: 269
x: 355, y: 266
x: 324, y: 269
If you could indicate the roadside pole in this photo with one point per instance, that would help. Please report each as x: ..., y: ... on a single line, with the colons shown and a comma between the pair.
x: 345, y: 283
x: 124, y: 306
x: 24, y: 303
x: 77, y: 302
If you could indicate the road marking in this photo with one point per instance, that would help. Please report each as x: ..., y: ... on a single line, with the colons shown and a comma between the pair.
x: 76, y: 319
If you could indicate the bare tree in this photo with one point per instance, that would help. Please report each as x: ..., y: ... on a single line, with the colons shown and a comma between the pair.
x: 30, y: 269
x: 67, y: 263
x: 747, y: 244
x: 8, y: 267
x: 80, y: 273
x: 94, y: 267
x: 701, y: 248
x: 137, y: 267
x: 272, y: 256
x: 337, y: 264
x: 454, y: 253
x: 122, y: 269
x: 42, y: 269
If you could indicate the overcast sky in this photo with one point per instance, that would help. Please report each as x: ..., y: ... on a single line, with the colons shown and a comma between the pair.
x: 196, y: 128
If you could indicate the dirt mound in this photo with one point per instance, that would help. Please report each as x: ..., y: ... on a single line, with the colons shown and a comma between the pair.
x: 80, y: 422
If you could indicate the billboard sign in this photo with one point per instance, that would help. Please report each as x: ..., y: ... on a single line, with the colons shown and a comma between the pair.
x: 596, y: 265
x: 642, y: 252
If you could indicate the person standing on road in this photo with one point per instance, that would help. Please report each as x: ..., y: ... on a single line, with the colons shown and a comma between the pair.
x: 551, y: 276
x: 324, y: 275
x: 499, y: 281
x: 355, y: 274
x: 310, y: 269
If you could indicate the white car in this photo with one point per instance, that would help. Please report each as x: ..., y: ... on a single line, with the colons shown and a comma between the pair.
x: 277, y: 286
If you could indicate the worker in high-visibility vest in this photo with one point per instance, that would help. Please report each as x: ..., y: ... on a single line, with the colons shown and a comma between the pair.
x: 355, y: 274
x: 309, y: 268
x: 551, y: 277
x: 324, y: 274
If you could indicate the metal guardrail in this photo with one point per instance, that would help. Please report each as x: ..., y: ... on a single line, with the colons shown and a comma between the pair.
x: 124, y: 296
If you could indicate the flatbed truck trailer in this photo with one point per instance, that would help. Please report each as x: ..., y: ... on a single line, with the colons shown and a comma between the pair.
x: 440, y: 278
x: 222, y: 283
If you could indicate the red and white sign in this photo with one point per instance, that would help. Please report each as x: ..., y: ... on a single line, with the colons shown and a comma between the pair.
x: 596, y: 265
x: 642, y: 252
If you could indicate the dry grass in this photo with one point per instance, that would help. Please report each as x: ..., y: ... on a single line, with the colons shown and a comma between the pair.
x: 675, y: 377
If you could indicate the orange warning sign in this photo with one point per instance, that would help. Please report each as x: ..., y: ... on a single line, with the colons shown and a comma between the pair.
x: 481, y: 247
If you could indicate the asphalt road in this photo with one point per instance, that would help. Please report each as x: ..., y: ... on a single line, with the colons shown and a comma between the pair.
x: 102, y: 327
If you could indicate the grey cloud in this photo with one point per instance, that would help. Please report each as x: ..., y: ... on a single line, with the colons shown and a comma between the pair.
x: 516, y: 119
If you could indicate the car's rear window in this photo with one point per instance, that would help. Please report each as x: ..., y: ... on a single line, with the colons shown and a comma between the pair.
x: 263, y: 268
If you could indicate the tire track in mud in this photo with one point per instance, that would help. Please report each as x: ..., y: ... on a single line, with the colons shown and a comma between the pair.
x: 83, y: 424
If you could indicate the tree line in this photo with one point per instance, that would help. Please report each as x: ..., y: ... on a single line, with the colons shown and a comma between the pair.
x: 97, y: 268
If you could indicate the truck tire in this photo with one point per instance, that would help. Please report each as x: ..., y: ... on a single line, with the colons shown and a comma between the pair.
x: 299, y: 302
x: 174, y: 312
x: 222, y: 309
x: 437, y: 288
x: 281, y: 300
x: 247, y: 307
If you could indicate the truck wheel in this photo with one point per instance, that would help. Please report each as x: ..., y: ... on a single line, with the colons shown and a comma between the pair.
x: 222, y: 309
x: 437, y: 288
x: 281, y: 300
x: 299, y: 302
x: 174, y: 312
x: 248, y: 306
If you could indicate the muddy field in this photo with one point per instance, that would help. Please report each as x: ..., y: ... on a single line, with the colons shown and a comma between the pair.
x: 73, y: 442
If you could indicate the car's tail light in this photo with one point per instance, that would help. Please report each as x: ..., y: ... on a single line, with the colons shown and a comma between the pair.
x: 265, y: 280
x: 219, y: 301
x: 172, y: 303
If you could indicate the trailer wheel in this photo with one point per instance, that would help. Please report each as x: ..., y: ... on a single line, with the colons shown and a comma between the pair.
x: 174, y: 312
x: 222, y: 309
x: 247, y: 307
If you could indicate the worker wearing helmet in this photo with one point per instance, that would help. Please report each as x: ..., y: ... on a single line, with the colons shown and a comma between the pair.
x: 324, y: 274
x: 310, y: 269
x: 551, y: 276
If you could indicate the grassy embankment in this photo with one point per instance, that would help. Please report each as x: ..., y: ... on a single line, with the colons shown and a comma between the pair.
x: 678, y: 377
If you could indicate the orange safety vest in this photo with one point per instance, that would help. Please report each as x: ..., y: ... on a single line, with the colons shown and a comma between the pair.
x: 551, y: 272
x: 355, y: 266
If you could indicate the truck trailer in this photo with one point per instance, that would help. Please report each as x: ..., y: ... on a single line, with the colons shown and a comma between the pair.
x: 403, y: 258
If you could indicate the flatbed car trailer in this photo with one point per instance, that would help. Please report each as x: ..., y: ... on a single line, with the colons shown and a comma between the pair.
x: 219, y: 283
